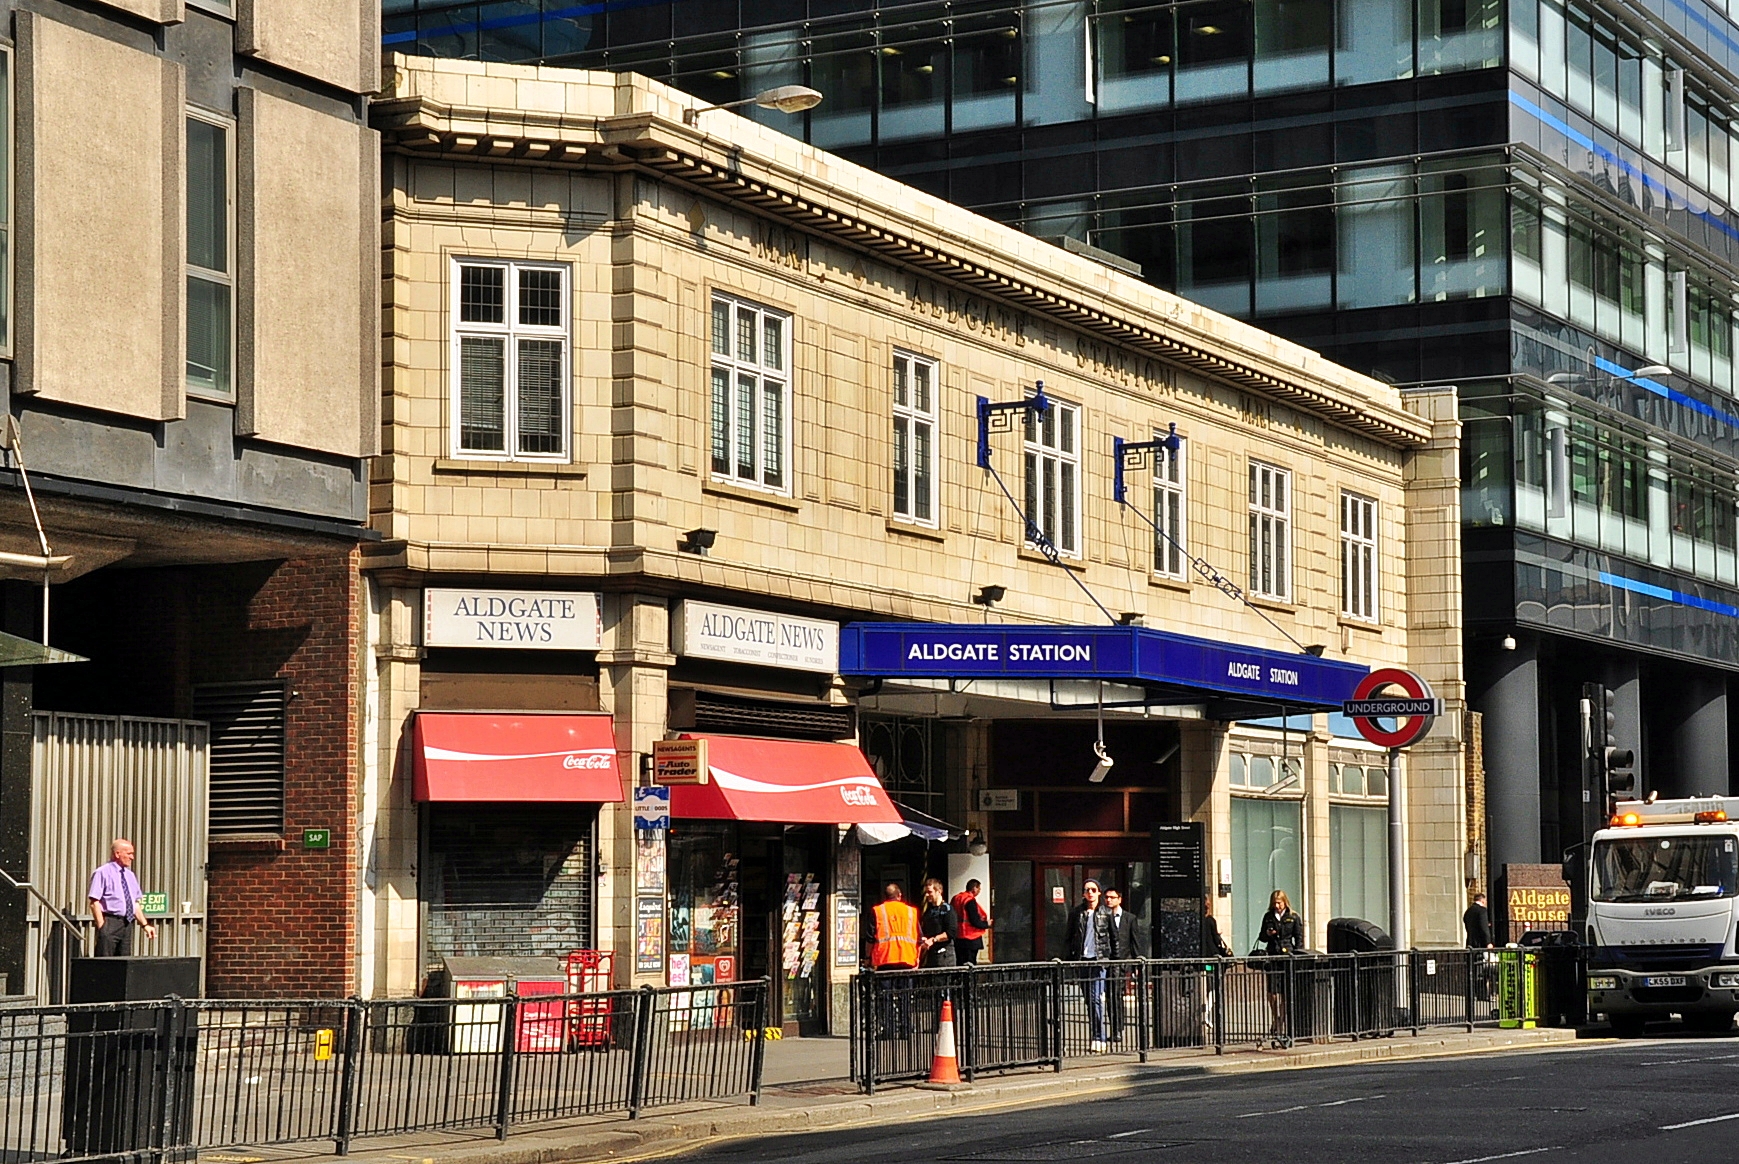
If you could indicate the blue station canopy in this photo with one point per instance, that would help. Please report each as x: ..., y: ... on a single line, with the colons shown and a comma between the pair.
x: 1174, y: 668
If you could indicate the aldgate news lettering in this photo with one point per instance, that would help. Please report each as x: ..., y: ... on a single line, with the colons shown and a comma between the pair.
x: 515, y: 620
x: 767, y: 631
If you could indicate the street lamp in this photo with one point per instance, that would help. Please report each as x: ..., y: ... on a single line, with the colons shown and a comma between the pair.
x: 784, y: 98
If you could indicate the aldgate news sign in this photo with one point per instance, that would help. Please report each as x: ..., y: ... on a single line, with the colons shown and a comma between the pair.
x: 705, y: 630
x: 538, y: 620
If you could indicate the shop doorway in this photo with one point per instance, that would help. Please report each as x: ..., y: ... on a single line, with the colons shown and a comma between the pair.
x: 781, y: 879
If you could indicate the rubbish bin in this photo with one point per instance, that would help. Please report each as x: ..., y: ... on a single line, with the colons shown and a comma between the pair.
x: 1311, y: 1004
x: 1562, y: 988
x: 1518, y: 988
x: 129, y: 1068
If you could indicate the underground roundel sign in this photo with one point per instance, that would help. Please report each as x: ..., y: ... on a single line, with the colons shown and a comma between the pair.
x: 1414, y: 708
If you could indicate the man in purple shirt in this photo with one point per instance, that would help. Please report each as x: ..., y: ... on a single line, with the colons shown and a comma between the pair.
x: 116, y: 902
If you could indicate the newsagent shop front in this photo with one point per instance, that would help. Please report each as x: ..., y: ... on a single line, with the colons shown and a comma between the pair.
x: 510, y: 805
x: 764, y: 866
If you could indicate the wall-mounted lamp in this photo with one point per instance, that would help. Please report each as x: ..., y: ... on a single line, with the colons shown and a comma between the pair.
x: 1316, y: 649
x: 1131, y: 618
x: 977, y: 845
x: 1509, y: 642
x: 697, y: 541
x: 987, y: 595
x: 785, y: 98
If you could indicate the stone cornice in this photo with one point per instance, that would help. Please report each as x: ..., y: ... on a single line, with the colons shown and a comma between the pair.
x: 1063, y: 287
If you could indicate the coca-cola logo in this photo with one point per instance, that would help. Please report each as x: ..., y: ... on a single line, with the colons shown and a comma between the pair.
x: 858, y: 796
x: 595, y: 761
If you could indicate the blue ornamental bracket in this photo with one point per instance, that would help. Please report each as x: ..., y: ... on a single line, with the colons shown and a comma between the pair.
x: 1000, y: 417
x: 1132, y: 455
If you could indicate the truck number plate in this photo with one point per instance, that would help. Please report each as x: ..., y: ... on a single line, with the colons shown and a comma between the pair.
x: 1664, y: 980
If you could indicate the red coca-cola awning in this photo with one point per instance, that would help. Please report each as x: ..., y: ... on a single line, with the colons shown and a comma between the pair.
x: 786, y: 781
x: 515, y: 759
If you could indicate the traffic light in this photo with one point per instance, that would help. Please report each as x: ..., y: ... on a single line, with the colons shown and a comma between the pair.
x: 1614, y: 767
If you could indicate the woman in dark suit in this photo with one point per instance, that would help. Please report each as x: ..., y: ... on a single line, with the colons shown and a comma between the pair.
x: 1282, y: 933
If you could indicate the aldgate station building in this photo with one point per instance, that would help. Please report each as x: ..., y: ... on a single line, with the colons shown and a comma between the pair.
x: 763, y: 426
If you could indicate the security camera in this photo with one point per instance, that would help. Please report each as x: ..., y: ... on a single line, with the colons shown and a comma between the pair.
x: 1103, y: 767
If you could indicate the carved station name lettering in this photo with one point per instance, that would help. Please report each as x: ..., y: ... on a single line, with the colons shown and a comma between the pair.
x: 968, y: 312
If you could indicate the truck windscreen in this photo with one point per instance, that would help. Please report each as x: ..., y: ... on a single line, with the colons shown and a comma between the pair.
x: 1666, y: 868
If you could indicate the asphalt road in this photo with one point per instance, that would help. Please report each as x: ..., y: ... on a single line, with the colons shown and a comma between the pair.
x: 1655, y: 1101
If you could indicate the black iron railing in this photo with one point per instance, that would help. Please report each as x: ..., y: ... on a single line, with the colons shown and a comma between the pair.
x: 168, y: 1079
x: 1047, y: 1013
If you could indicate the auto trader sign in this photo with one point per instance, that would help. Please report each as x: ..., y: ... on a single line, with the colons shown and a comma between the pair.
x: 538, y: 620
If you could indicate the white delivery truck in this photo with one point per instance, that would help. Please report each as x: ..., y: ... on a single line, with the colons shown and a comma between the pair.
x: 1663, y: 912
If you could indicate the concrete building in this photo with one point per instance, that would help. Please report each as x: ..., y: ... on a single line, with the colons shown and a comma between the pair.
x: 189, y: 349
x: 1531, y: 201
x: 683, y: 421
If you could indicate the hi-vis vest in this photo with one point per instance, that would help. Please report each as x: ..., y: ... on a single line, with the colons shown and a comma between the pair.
x: 896, y: 941
x: 968, y: 931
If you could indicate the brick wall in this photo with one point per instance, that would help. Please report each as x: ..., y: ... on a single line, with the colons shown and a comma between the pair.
x: 281, y: 919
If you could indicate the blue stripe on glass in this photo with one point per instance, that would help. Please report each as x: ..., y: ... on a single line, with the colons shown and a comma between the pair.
x: 1706, y: 23
x: 1594, y: 147
x: 1678, y: 596
x: 1665, y: 393
x: 500, y: 22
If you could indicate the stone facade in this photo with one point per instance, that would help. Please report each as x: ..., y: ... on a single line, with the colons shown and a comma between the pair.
x: 652, y: 221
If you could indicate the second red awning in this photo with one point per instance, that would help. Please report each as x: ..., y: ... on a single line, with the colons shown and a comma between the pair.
x: 784, y: 781
x: 515, y: 759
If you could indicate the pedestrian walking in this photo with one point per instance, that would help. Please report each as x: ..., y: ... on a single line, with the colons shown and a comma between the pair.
x: 116, y: 902
x: 974, y: 923
x: 1213, y: 945
x: 1476, y: 922
x: 1129, y: 938
x: 1281, y: 935
x: 938, y: 926
x: 1091, y: 940
x: 894, y: 946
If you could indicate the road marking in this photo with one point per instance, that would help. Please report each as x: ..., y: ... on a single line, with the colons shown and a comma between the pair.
x: 1672, y: 1062
x: 1698, y: 1123
x: 1126, y: 1135
x: 1309, y: 1106
x: 1507, y: 1155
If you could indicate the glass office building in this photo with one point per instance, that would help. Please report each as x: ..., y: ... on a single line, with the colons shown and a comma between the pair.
x: 1531, y: 201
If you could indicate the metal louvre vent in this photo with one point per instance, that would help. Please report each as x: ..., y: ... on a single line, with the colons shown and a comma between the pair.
x: 715, y: 712
x: 247, y: 754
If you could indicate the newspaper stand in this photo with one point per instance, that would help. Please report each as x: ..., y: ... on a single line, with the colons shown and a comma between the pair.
x: 590, y: 973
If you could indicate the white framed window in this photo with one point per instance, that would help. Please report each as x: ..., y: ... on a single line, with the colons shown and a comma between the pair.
x: 751, y: 394
x: 1365, y: 780
x: 1358, y: 557
x: 510, y: 360
x: 915, y: 390
x: 1170, y: 511
x: 1053, y: 476
x: 1270, y: 531
x: 210, y: 255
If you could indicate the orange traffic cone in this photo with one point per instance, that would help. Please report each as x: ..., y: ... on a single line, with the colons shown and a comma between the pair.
x: 945, y: 1065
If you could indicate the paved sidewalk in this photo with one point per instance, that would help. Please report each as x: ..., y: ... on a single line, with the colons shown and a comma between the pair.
x: 815, y: 1104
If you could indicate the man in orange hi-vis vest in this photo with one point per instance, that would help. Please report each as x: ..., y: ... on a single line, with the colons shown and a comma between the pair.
x: 894, y: 946
x: 896, y: 935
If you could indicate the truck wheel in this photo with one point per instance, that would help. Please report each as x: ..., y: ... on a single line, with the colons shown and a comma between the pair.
x: 1626, y: 1026
x: 1714, y: 1022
